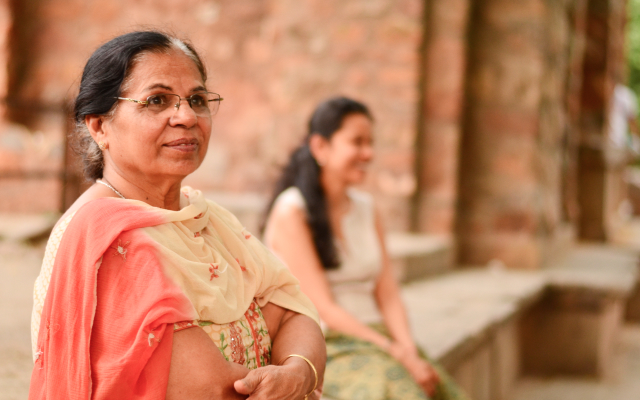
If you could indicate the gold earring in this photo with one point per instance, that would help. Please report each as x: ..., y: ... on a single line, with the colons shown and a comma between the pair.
x: 102, y: 146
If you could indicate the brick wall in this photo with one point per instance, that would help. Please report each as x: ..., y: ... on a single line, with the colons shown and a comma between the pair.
x: 272, y: 61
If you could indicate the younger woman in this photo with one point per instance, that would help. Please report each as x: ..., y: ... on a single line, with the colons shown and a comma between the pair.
x: 331, y: 237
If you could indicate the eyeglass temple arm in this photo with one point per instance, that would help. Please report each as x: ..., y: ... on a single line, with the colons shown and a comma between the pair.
x: 133, y: 100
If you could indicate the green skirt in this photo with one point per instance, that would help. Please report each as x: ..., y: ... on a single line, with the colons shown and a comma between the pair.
x: 359, y: 370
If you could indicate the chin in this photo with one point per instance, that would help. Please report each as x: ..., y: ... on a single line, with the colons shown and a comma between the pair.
x: 184, y: 168
x: 357, y: 178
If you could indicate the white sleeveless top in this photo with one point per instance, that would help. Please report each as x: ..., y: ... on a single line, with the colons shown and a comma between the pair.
x: 353, y: 282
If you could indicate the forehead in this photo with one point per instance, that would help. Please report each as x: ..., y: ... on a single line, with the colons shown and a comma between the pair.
x: 172, y: 69
x: 356, y: 123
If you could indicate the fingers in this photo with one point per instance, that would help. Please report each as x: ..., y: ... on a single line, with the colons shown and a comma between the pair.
x: 425, y: 375
x: 249, y: 383
x: 430, y: 389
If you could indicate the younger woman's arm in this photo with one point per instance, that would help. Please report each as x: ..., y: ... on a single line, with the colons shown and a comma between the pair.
x: 395, y: 318
x: 389, y: 299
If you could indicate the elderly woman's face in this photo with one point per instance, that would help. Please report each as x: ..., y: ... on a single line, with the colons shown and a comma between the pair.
x: 169, y: 144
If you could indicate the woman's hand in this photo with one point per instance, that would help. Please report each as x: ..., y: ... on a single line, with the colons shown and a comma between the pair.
x: 421, y: 371
x: 291, y: 381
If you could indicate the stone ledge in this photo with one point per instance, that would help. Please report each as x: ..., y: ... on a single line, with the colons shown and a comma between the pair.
x: 583, y: 270
x: 26, y: 227
x: 449, y: 314
x: 418, y: 256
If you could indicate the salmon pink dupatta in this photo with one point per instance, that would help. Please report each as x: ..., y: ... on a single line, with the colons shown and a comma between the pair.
x: 125, y: 272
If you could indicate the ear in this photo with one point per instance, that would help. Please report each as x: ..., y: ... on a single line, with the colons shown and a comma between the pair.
x: 319, y: 147
x: 95, y: 124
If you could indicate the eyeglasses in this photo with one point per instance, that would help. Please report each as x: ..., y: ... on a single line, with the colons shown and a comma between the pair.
x: 202, y: 103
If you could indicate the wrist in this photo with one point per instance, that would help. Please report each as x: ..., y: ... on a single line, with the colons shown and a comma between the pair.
x: 386, y: 344
x: 303, y: 368
x: 396, y: 350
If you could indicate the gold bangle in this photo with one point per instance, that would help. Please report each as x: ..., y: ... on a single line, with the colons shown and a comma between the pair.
x: 312, y: 367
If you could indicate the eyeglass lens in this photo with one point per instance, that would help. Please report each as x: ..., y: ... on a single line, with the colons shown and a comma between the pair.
x: 202, y: 103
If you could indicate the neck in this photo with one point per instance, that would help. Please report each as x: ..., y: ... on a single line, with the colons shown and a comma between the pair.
x: 161, y: 193
x: 335, y: 191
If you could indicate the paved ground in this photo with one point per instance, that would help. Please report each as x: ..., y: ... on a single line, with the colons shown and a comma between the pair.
x: 20, y: 264
x: 625, y: 386
x: 19, y: 267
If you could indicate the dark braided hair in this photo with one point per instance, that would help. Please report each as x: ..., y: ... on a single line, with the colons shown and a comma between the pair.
x: 303, y: 172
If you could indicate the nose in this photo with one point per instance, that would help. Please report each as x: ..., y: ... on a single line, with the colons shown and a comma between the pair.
x: 183, y: 116
x: 367, y: 152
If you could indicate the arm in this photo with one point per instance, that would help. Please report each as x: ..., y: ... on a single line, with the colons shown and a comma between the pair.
x: 393, y: 311
x: 291, y: 333
x: 198, y: 369
x: 290, y: 238
x: 389, y: 300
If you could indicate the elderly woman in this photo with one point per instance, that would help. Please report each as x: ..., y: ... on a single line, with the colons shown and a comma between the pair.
x: 148, y: 290
x: 331, y: 237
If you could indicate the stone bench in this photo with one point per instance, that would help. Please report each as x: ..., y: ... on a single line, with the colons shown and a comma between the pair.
x: 488, y: 326
x: 419, y: 256
x: 575, y: 327
x: 468, y: 321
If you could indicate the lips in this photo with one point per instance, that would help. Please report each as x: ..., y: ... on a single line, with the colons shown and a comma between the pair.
x: 184, y: 144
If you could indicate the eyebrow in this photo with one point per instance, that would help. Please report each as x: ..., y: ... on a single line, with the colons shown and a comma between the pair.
x: 165, y: 87
x: 159, y: 86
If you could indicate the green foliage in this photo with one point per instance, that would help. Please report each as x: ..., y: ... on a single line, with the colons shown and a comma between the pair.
x: 633, y: 45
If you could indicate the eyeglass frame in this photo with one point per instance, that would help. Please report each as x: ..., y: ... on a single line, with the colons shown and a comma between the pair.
x: 177, y: 105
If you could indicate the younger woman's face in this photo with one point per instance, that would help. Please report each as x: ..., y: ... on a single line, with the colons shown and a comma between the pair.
x: 350, y: 149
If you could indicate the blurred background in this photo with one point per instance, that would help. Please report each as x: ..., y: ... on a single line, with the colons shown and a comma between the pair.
x: 497, y: 168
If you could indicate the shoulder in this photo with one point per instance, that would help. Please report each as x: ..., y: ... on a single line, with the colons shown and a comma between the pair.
x: 288, y: 216
x: 290, y: 204
x: 290, y: 198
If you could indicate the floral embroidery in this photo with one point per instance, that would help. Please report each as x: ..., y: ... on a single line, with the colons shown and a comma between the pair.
x: 179, y: 326
x: 152, y: 338
x: 241, y: 267
x: 121, y: 249
x: 252, y: 318
x: 214, y: 271
x: 197, y: 235
x: 252, y: 313
x: 199, y: 216
x: 38, y: 354
x: 246, y: 233
x: 266, y: 354
x: 237, y: 345
x: 248, y: 337
x: 52, y: 329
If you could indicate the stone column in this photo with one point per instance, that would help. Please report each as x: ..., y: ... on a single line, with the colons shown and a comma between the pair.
x: 602, y: 58
x: 498, y: 214
x: 570, y: 200
x: 439, y: 119
x: 5, y: 27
